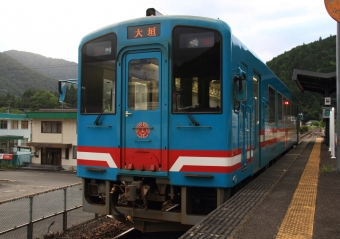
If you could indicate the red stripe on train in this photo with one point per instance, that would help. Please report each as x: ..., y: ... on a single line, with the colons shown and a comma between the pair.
x: 92, y: 163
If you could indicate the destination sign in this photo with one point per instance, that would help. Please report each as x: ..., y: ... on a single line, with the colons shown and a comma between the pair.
x: 144, y: 31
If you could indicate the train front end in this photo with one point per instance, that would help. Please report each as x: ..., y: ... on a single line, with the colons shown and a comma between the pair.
x: 155, y: 142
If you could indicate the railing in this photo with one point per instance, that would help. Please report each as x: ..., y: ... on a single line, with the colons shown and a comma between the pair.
x: 36, y: 215
x: 15, y: 159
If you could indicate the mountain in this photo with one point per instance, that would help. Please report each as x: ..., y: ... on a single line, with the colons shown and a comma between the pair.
x: 318, y: 56
x: 54, y: 68
x: 15, y: 78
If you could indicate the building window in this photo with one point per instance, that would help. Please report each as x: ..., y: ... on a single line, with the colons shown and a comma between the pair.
x: 51, y: 127
x: 24, y: 142
x: 14, y: 124
x: 24, y: 124
x: 3, y: 124
x: 74, y: 153
x: 66, y: 153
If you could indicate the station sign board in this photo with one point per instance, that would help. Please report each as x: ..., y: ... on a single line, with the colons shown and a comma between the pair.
x: 326, y: 112
x: 327, y: 100
x: 6, y: 156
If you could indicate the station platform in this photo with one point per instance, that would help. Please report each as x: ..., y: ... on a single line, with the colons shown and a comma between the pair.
x: 297, y: 197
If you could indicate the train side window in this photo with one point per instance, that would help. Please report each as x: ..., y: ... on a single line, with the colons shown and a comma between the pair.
x: 271, y: 106
x: 240, y: 91
x: 294, y: 113
x: 279, y: 108
x: 286, y: 110
x: 98, y: 76
x: 255, y: 103
x: 236, y: 101
x: 196, y: 70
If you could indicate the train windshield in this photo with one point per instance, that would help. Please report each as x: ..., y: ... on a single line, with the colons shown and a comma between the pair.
x: 98, y: 76
x: 196, y: 70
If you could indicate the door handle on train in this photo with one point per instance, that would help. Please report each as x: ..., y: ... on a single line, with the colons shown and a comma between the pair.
x: 127, y: 113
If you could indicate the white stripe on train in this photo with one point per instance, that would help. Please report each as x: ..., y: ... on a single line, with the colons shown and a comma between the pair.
x: 97, y: 156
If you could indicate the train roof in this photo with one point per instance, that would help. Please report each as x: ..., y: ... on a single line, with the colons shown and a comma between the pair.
x: 175, y: 19
x: 180, y: 20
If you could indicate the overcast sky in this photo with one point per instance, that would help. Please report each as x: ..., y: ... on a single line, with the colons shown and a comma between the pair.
x: 54, y: 28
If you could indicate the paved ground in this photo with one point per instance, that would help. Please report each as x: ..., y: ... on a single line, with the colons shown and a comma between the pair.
x: 267, y: 219
x: 20, y: 183
x: 327, y: 216
x: 17, y: 183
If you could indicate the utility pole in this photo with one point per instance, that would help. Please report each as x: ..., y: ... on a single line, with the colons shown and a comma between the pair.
x: 9, y: 105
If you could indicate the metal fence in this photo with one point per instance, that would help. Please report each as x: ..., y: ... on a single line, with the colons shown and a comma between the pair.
x: 18, y: 160
x: 36, y: 215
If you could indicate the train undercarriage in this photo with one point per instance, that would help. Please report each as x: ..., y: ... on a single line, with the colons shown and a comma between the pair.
x: 151, y: 204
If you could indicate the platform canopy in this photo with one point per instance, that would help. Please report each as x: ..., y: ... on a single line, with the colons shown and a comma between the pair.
x: 323, y: 83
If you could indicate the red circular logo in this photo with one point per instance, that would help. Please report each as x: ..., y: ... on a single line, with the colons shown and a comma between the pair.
x: 142, y: 130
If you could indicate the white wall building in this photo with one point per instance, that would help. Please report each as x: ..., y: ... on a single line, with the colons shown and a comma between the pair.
x: 15, y: 130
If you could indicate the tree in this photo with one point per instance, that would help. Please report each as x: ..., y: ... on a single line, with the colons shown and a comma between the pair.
x: 43, y: 99
x: 71, y: 97
x: 8, y: 101
x: 25, y: 99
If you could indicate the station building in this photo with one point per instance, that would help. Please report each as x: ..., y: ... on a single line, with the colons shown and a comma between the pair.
x: 54, y: 137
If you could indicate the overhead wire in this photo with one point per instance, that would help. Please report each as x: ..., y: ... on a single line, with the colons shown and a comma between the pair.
x: 42, y: 67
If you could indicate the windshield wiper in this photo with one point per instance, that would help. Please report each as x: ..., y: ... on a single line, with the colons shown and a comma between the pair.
x: 96, y: 122
x: 186, y: 110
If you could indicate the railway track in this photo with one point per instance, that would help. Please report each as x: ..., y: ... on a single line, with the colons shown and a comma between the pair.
x: 150, y: 235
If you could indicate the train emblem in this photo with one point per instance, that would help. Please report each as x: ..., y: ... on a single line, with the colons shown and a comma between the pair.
x: 142, y: 130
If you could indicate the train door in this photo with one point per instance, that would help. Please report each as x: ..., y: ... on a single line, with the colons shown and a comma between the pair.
x: 243, y: 133
x: 255, y: 122
x: 142, y: 115
x: 244, y: 112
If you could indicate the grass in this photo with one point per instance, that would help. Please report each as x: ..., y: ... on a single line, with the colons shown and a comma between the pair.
x: 327, y: 168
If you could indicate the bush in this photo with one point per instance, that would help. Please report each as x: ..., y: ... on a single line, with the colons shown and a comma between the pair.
x: 303, y: 129
x: 315, y: 123
x: 321, y: 124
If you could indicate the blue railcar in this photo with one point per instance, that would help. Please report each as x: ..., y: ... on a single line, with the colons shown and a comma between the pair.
x: 173, y: 112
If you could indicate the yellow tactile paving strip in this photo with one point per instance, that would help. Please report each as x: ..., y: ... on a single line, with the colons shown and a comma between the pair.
x: 299, y: 219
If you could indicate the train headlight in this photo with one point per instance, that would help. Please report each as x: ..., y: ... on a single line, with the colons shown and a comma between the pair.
x: 93, y: 189
x: 152, y: 12
x: 96, y: 189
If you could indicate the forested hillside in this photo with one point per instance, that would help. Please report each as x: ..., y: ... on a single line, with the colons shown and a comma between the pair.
x: 318, y: 56
x: 15, y: 78
x: 50, y: 67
